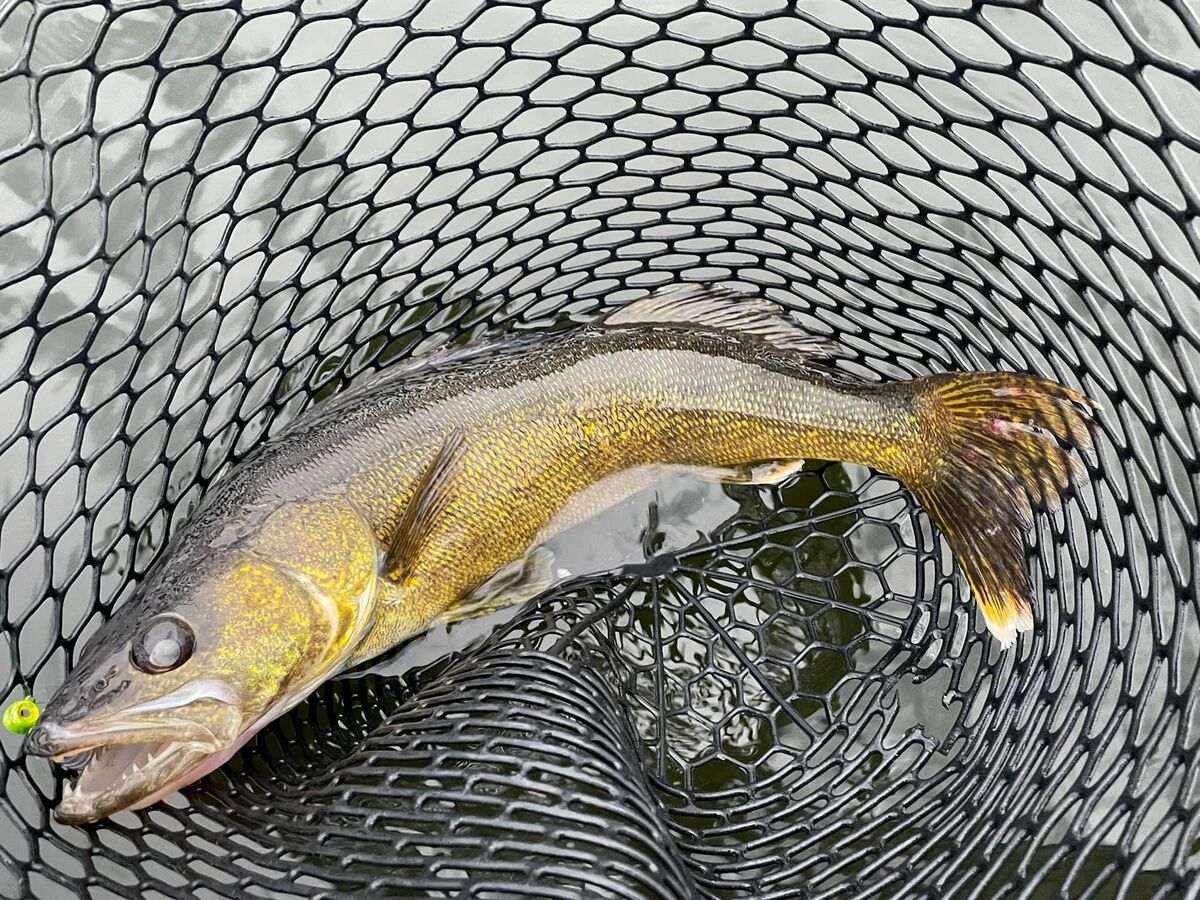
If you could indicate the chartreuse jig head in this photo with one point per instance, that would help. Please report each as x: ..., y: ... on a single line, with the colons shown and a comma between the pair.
x: 21, y: 716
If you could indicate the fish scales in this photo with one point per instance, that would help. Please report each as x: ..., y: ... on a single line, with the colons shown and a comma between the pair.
x: 388, y: 507
x: 606, y: 404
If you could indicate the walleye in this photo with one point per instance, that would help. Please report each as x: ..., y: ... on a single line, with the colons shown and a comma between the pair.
x: 387, y: 508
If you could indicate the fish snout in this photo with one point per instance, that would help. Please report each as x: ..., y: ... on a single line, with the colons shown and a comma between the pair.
x: 48, y: 738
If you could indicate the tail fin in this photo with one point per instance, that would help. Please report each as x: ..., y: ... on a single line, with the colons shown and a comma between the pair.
x: 1008, y: 443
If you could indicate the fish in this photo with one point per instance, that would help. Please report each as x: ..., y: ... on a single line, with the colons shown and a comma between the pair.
x: 395, y: 504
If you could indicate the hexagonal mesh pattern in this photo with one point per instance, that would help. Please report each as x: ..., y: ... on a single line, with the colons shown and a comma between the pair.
x: 212, y: 214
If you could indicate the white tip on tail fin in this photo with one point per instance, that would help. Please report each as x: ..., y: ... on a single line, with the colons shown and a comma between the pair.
x: 1009, y: 620
x: 705, y: 306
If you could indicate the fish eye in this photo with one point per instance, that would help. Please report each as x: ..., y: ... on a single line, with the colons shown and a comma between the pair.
x: 164, y: 644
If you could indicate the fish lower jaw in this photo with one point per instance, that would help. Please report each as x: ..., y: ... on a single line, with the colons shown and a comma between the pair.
x: 124, y: 776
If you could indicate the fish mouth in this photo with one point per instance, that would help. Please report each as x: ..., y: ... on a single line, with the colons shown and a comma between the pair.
x: 124, y: 776
x: 128, y: 761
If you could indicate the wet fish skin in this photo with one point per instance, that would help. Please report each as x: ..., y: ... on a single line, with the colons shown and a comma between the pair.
x: 384, y: 510
x: 593, y: 406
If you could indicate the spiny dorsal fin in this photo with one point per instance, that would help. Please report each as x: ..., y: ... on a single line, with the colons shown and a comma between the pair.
x: 425, y: 508
x: 706, y: 306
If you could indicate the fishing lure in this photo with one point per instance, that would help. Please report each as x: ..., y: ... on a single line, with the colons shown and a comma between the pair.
x: 21, y: 716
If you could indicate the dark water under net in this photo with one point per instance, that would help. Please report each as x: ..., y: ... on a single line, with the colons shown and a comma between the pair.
x: 213, y: 213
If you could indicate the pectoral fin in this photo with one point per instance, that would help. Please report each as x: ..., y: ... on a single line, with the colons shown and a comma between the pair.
x: 425, y: 508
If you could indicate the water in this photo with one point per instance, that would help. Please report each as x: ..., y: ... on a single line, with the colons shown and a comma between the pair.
x: 830, y: 585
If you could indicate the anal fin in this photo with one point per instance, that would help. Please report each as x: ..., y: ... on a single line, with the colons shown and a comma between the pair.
x: 774, y: 472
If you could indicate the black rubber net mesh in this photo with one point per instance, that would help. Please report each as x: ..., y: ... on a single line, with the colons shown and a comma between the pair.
x: 215, y: 214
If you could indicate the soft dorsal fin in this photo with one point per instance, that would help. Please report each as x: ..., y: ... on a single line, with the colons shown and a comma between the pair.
x: 705, y: 306
x: 424, y: 509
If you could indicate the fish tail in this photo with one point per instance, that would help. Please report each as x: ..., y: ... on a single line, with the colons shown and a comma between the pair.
x: 1005, y: 442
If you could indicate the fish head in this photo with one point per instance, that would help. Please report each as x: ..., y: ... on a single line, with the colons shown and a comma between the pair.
x: 205, y: 653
